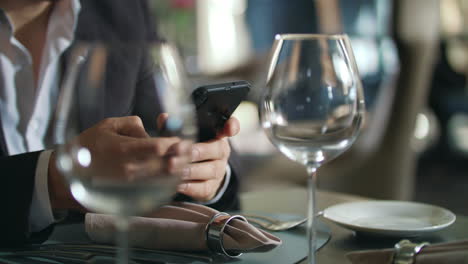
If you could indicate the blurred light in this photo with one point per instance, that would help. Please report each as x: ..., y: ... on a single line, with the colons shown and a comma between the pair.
x: 426, y: 131
x: 247, y: 114
x: 330, y: 92
x: 451, y: 17
x: 279, y: 120
x: 171, y: 66
x: 317, y: 156
x: 462, y: 134
x: 265, y: 125
x: 366, y: 53
x: 84, y: 157
x: 64, y: 163
x: 343, y: 73
x: 388, y: 51
x: 343, y: 144
x: 353, y: 94
x: 174, y: 124
x: 223, y: 39
x: 457, y: 55
x: 366, y: 22
x: 231, y: 6
x: 422, y: 126
x: 78, y: 191
x: 458, y: 130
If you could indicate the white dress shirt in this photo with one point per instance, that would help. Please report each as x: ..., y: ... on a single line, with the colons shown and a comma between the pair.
x: 26, y: 110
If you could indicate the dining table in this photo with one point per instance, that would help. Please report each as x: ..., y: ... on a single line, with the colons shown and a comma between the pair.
x: 292, y: 200
x: 283, y: 201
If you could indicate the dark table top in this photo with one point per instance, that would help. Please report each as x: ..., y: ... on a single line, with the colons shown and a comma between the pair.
x: 293, y: 200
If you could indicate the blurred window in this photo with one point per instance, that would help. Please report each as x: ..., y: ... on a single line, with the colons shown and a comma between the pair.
x: 367, y: 22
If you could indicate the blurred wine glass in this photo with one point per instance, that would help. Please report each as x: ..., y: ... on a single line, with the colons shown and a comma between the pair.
x: 99, y: 180
x: 313, y: 104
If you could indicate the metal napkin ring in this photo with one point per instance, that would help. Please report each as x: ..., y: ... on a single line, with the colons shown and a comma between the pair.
x: 215, y: 233
x: 405, y: 251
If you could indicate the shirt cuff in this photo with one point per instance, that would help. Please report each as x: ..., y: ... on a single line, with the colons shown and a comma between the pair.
x: 40, y: 213
x: 222, y: 190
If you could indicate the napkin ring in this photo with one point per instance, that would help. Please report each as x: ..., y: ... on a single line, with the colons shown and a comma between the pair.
x: 215, y: 233
x: 405, y: 251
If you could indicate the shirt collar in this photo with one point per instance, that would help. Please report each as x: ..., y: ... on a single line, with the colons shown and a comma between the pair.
x: 64, y: 18
x: 68, y: 10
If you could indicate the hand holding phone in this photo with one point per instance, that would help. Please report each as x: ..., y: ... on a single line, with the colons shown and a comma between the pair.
x: 215, y: 105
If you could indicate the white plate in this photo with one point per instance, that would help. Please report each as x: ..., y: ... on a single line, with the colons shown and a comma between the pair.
x: 390, y: 218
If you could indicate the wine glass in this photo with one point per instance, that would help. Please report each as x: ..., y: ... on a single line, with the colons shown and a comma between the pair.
x: 101, y: 179
x: 313, y: 105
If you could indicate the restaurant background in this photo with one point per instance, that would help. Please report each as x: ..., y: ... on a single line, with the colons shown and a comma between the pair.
x: 413, y: 61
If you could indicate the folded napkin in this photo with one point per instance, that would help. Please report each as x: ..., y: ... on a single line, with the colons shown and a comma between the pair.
x: 181, y: 226
x: 446, y: 253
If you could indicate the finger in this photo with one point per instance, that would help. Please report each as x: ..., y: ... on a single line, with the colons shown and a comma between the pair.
x: 230, y: 129
x: 145, y: 170
x: 178, y: 166
x: 161, y: 120
x: 199, y: 190
x: 131, y: 126
x: 211, y: 150
x: 179, y: 158
x: 136, y: 170
x: 208, y: 170
x: 142, y: 149
x: 181, y: 148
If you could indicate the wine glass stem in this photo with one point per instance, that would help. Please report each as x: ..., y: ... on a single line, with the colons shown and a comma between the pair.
x: 122, y: 240
x: 311, y: 226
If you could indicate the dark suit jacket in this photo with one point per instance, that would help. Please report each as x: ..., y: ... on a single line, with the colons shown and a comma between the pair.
x: 111, y: 21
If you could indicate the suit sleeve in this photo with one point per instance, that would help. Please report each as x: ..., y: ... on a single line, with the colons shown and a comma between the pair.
x: 16, y: 190
x: 230, y: 199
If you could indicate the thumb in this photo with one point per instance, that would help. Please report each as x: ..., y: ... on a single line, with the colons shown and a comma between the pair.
x: 131, y: 126
x: 230, y: 129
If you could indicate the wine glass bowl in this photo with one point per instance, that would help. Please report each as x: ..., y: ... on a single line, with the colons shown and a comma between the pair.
x: 124, y: 157
x: 311, y: 110
x: 313, y: 106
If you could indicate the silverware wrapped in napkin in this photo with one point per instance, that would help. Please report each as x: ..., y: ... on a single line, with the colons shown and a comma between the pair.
x: 185, y: 227
x: 446, y: 253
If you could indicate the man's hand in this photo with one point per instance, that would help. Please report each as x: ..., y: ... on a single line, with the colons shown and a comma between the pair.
x: 205, y: 175
x: 120, y: 149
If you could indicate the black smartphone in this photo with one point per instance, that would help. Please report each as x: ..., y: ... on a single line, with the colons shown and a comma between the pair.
x: 215, y: 104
